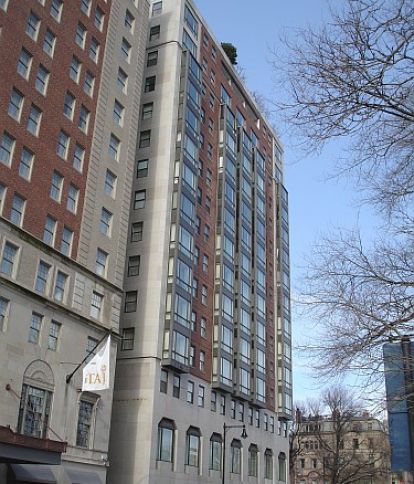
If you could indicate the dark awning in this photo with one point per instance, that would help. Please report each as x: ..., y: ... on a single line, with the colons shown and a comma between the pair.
x: 33, y: 473
x: 80, y: 477
x: 23, y: 449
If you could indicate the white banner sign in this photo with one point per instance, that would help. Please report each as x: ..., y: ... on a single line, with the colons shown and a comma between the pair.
x: 96, y: 372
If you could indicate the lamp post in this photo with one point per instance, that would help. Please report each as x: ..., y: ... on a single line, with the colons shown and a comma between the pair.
x: 243, y: 436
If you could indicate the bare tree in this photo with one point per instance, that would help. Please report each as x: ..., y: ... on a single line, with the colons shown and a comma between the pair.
x: 354, y: 78
x: 341, y: 443
x: 361, y: 299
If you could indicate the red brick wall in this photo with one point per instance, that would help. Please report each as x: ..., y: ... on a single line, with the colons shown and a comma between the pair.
x: 12, y: 39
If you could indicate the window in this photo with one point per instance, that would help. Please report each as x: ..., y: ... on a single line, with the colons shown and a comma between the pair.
x: 42, y: 277
x: 62, y: 145
x: 152, y: 58
x: 66, y: 242
x: 91, y: 344
x: 80, y: 36
x: 83, y: 119
x: 60, y: 285
x: 33, y: 122
x: 4, y: 309
x: 129, y: 21
x: 192, y: 355
x: 282, y: 466
x: 190, y: 391
x: 35, y: 327
x: 226, y: 371
x: 99, y: 19
x: 154, y: 33
x: 86, y: 6
x: 166, y: 440
x: 49, y: 43
x: 96, y: 305
x: 114, y: 147
x: 140, y: 199
x: 84, y: 426
x: 24, y: 63
x: 128, y: 336
x: 131, y: 299
x: 4, y: 4
x: 125, y: 50
x: 53, y: 339
x: 204, y: 294
x: 252, y: 460
x: 3, y: 191
x: 94, y: 50
x: 215, y: 452
x: 56, y: 9
x: 203, y: 327
x: 191, y: 21
x: 268, y: 457
x: 75, y: 69
x: 202, y: 360
x: 105, y: 222
x: 205, y: 263
x: 122, y: 80
x: 32, y: 26
x: 164, y: 381
x: 17, y: 210
x: 78, y: 157
x: 49, y: 231
x: 193, y: 447
x: 213, y: 403
x: 110, y: 183
x: 355, y: 443
x: 16, y: 104
x: 9, y: 259
x: 147, y: 110
x: 180, y: 348
x: 200, y: 398
x: 56, y: 186
x: 133, y: 265
x: 118, y: 113
x: 137, y: 231
x: 149, y: 84
x: 89, y: 83
x: 257, y: 418
x: 42, y: 79
x: 101, y: 262
x: 236, y: 456
x: 222, y: 405
x: 35, y: 404
x: 7, y: 149
x: 176, y: 386
x: 73, y: 195
x: 156, y: 8
x: 272, y: 424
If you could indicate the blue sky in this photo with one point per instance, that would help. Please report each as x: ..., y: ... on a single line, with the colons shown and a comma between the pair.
x: 317, y: 204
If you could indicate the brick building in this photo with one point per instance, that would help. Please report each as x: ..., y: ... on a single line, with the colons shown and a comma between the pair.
x: 71, y: 74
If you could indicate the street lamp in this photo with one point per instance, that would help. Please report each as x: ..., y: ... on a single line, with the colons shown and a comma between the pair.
x: 243, y: 436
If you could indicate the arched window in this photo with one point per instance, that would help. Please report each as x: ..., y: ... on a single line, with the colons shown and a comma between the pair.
x: 166, y: 429
x: 281, y: 460
x: 268, y: 457
x: 215, y: 452
x: 193, y: 446
x: 252, y: 462
x: 36, y: 399
x: 236, y: 456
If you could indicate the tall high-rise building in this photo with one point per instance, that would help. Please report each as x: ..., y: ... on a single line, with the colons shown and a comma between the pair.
x: 71, y: 75
x: 206, y: 315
